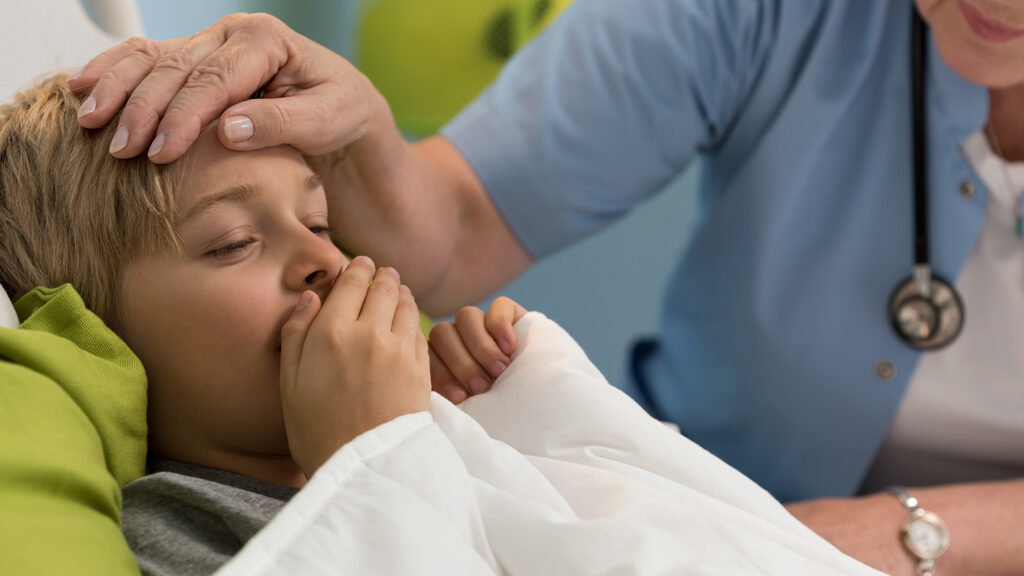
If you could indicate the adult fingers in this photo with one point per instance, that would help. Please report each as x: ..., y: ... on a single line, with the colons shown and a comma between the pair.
x: 89, y: 74
x: 160, y: 83
x: 252, y: 54
x: 304, y: 120
x: 503, y: 313
x: 135, y: 59
x: 329, y: 111
x: 449, y: 347
x: 293, y: 337
x: 470, y: 324
x: 382, y: 298
x: 349, y: 292
x: 443, y: 382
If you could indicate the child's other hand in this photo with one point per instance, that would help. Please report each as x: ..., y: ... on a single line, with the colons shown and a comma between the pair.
x: 352, y: 363
x: 467, y: 355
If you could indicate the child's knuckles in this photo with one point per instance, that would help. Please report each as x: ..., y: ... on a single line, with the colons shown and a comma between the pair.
x: 468, y: 314
x: 442, y: 330
x: 407, y: 305
x: 354, y: 279
x: 384, y: 287
x: 503, y: 303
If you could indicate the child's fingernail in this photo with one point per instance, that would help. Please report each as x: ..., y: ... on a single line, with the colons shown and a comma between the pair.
x: 304, y: 301
x: 455, y: 394
x: 120, y: 139
x: 496, y: 369
x: 87, y: 107
x: 504, y: 345
x: 405, y: 289
x: 478, y: 385
x: 238, y: 128
x: 157, y: 145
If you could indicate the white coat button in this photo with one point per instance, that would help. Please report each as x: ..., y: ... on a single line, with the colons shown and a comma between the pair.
x: 884, y: 370
x: 967, y: 190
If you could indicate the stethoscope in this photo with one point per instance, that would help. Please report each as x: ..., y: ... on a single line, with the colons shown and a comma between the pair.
x: 924, y: 309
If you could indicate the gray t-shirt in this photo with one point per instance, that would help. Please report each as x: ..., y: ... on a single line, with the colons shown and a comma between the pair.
x: 183, y: 519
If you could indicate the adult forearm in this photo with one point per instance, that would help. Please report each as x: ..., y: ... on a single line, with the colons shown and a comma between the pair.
x: 986, y: 526
x: 984, y: 521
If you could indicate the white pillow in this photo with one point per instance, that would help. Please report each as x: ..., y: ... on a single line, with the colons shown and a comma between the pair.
x: 50, y: 34
x: 8, y: 318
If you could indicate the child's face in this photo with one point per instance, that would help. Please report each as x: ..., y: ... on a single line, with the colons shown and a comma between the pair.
x: 206, y: 324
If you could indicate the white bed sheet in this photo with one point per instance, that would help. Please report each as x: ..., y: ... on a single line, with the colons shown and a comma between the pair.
x: 551, y: 472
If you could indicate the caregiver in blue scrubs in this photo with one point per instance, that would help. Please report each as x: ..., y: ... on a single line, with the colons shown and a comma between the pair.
x: 777, y: 349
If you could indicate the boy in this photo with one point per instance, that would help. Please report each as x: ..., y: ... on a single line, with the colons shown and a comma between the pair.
x: 198, y: 267
x: 274, y: 364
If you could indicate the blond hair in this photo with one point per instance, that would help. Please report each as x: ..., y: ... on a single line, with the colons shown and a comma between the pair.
x: 69, y: 211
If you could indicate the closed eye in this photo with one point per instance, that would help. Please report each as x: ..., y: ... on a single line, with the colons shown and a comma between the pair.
x: 321, y: 231
x: 230, y: 249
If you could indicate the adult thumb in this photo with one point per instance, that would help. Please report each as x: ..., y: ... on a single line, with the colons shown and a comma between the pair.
x: 293, y: 337
x: 266, y: 122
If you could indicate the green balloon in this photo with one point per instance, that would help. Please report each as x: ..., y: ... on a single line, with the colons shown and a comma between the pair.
x: 429, y: 58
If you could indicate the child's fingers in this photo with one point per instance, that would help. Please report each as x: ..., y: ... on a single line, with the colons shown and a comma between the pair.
x: 503, y: 313
x: 293, y: 337
x: 447, y: 344
x: 443, y: 382
x: 381, y: 298
x: 349, y: 291
x: 481, y: 345
x: 407, y: 315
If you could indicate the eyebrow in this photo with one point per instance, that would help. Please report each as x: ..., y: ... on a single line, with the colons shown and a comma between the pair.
x: 240, y: 193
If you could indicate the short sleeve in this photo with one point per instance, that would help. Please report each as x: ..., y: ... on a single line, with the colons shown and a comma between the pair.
x: 607, y: 106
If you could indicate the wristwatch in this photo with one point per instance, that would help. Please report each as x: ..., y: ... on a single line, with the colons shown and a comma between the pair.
x: 925, y: 535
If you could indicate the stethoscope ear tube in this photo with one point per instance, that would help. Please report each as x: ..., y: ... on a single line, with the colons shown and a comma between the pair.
x: 925, y: 311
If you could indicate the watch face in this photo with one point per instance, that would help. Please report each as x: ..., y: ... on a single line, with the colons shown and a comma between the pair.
x: 926, y: 535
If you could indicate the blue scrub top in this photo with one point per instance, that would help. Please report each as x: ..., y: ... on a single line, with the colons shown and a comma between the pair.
x: 776, y: 318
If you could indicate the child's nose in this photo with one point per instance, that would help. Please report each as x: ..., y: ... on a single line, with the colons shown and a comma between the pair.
x: 315, y: 267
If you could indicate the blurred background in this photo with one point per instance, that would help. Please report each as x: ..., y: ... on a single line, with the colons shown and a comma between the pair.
x: 429, y: 58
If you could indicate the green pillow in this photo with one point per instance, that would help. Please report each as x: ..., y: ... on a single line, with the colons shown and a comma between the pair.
x: 73, y: 424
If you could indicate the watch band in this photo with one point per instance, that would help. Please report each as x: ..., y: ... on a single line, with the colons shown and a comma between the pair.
x: 924, y: 534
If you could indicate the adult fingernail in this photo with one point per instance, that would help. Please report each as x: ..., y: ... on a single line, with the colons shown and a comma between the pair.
x: 496, y: 369
x: 304, y: 301
x: 120, y: 139
x: 74, y: 76
x: 478, y: 385
x: 157, y: 145
x: 504, y: 345
x: 238, y: 128
x: 87, y: 107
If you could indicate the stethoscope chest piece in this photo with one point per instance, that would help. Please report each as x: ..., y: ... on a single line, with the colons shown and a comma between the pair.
x: 926, y: 317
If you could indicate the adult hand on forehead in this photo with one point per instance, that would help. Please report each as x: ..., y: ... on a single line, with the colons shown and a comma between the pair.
x: 313, y: 99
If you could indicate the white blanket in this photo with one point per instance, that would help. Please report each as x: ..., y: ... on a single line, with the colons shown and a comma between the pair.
x: 553, y: 471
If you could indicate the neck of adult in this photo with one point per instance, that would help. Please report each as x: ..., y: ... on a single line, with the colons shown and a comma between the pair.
x: 1006, y: 121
